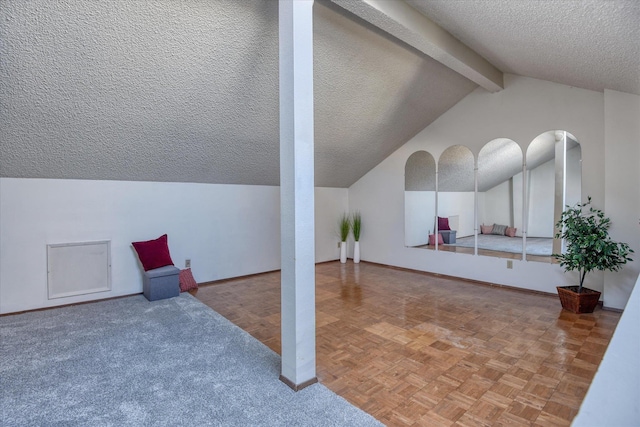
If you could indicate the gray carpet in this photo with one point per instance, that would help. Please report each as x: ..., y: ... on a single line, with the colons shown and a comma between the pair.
x: 535, y: 245
x: 133, y: 362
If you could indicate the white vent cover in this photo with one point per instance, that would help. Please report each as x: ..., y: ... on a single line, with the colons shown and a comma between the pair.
x: 78, y: 268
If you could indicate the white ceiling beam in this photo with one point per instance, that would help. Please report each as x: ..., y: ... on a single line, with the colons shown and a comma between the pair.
x: 407, y: 24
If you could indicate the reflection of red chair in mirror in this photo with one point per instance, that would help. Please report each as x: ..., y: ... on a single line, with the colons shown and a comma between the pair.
x: 447, y: 234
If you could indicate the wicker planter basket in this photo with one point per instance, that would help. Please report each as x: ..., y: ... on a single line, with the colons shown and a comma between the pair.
x: 584, y: 302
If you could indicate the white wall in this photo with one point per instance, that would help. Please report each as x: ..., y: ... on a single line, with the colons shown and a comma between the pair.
x: 542, y: 187
x: 622, y: 184
x: 522, y: 111
x: 420, y: 214
x: 612, y: 399
x: 459, y: 204
x: 482, y: 218
x: 497, y: 205
x: 331, y: 203
x: 502, y: 204
x: 226, y: 230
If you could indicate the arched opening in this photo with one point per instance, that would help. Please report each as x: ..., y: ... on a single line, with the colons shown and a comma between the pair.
x: 419, y: 198
x: 554, y: 180
x: 458, y: 201
x: 500, y: 199
x: 455, y: 199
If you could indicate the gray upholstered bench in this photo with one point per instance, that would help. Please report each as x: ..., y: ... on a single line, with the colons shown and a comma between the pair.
x: 161, y: 283
x: 448, y: 236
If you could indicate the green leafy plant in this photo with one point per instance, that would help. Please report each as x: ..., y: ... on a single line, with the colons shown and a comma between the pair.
x: 588, y: 245
x: 344, y: 225
x: 356, y: 225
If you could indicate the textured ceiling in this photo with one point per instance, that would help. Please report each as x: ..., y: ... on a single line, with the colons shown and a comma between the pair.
x: 420, y: 172
x: 372, y: 94
x: 592, y: 44
x: 140, y: 90
x: 498, y: 161
x: 158, y: 90
x: 188, y: 91
x: 455, y: 169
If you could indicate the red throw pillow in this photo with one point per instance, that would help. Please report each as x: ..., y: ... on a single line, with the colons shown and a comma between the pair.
x: 443, y: 224
x: 432, y: 239
x: 510, y: 231
x: 187, y: 282
x: 153, y: 253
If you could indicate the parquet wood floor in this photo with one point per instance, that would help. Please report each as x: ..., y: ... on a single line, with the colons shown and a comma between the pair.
x: 414, y: 349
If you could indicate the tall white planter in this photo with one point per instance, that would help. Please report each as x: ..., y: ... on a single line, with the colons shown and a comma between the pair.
x: 356, y: 252
x: 343, y: 252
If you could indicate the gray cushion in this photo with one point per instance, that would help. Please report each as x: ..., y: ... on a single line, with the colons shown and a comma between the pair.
x: 499, y: 229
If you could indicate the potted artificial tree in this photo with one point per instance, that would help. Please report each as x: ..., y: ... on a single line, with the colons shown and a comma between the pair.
x: 344, y: 225
x: 588, y: 248
x: 356, y: 226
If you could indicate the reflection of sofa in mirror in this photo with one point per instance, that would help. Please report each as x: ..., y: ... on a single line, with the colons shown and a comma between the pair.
x: 528, y: 196
x: 500, y: 197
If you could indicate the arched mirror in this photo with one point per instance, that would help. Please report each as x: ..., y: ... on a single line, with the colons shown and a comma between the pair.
x: 419, y: 198
x: 500, y: 199
x: 456, y: 201
x: 554, y: 180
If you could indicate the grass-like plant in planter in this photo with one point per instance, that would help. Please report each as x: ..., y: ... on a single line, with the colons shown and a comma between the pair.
x: 344, y: 226
x: 585, y: 231
x: 356, y: 227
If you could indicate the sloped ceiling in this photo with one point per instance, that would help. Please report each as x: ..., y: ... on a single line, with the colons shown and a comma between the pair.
x: 591, y: 44
x: 188, y: 92
x: 158, y: 90
x: 372, y: 94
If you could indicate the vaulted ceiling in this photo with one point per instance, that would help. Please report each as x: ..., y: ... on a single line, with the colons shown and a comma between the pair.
x: 188, y: 91
x: 591, y: 44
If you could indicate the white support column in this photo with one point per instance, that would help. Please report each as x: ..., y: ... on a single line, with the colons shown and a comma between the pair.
x: 560, y: 187
x: 475, y: 208
x: 297, y: 193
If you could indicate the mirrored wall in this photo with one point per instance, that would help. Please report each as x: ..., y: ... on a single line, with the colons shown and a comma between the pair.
x: 505, y: 205
x: 554, y: 180
x: 500, y: 198
x: 419, y: 198
x: 456, y: 200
